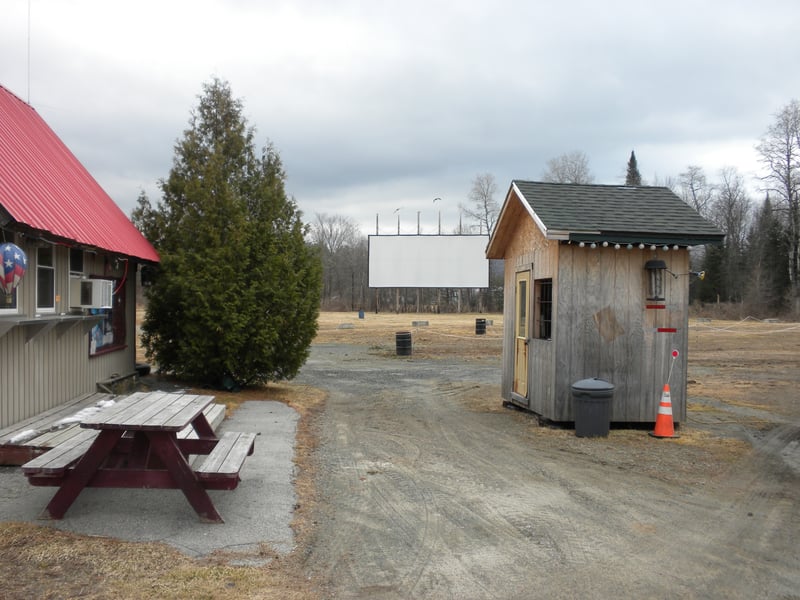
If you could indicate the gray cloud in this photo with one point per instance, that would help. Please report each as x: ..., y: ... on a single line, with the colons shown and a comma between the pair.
x: 377, y: 105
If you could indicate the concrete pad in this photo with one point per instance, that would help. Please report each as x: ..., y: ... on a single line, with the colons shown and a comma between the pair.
x: 259, y: 511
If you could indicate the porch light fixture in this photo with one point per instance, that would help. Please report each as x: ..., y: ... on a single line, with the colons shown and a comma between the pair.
x: 655, y: 279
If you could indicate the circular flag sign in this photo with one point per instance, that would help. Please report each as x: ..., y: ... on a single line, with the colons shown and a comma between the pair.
x: 674, y: 354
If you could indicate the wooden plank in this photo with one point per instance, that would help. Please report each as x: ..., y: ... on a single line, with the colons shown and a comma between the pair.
x: 217, y: 456
x: 88, y: 464
x: 163, y: 411
x: 215, y: 414
x: 565, y: 297
x: 154, y: 411
x: 123, y: 404
x: 151, y: 411
x: 51, y: 437
x: 166, y: 408
x: 45, y: 419
x: 228, y: 456
x: 164, y: 446
x: 188, y: 413
x: 55, y: 437
x: 623, y: 298
x: 113, y: 478
x: 121, y: 412
x: 238, y: 453
x: 62, y: 456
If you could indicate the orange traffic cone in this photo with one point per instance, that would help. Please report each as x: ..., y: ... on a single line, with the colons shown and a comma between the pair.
x: 664, y: 427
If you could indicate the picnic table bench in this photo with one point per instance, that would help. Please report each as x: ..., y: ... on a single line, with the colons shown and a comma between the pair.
x: 137, y: 443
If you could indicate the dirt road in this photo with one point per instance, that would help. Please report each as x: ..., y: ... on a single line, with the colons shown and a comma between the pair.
x: 429, y: 488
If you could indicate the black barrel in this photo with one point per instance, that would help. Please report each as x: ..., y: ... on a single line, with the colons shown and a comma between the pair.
x: 480, y: 326
x: 403, y: 342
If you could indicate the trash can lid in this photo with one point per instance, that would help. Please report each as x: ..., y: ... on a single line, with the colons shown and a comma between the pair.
x: 593, y: 385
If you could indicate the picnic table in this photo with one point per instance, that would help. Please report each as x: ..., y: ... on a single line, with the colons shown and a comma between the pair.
x: 142, y: 442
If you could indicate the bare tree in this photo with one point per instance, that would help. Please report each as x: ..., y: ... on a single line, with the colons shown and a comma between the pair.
x: 668, y: 182
x: 342, y: 249
x: 484, y: 208
x: 780, y: 154
x: 730, y: 210
x: 572, y: 167
x: 695, y: 190
x: 333, y: 232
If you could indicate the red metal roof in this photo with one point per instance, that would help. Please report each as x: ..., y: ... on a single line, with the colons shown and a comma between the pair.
x: 43, y: 186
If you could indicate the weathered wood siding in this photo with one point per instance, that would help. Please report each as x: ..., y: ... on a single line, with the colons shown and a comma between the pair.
x: 528, y: 250
x: 604, y: 329
x: 39, y: 372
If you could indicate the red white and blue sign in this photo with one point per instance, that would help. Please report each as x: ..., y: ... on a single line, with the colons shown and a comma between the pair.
x: 14, y: 264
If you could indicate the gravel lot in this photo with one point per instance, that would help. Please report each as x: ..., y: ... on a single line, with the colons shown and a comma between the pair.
x: 427, y: 487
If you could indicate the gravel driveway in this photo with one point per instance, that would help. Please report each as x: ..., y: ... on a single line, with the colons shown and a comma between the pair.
x: 429, y: 488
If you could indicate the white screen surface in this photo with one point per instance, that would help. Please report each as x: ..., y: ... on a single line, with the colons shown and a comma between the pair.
x: 434, y: 261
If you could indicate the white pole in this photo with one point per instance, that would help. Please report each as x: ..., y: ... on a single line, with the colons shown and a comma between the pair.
x: 672, y: 364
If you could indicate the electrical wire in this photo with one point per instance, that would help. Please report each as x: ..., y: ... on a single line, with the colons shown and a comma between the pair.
x: 124, y: 277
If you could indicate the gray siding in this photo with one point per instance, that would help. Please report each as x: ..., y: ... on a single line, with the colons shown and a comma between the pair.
x: 41, y: 368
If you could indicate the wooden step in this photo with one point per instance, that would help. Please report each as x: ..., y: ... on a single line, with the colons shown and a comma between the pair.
x: 220, y: 469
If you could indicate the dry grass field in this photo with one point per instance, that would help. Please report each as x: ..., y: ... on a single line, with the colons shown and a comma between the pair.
x: 433, y: 335
x: 742, y: 375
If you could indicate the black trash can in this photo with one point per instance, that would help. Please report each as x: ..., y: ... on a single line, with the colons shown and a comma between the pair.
x: 480, y: 326
x: 592, y: 403
x: 403, y: 343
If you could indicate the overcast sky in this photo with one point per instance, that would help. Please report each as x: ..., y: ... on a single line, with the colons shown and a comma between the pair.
x: 376, y: 106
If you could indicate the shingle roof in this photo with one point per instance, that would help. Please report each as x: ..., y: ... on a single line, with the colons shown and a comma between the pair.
x: 45, y: 188
x: 616, y: 213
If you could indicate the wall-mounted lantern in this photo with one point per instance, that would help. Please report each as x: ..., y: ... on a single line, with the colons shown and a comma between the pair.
x: 655, y: 279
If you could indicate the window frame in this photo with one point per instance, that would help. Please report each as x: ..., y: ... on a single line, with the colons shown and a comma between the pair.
x: 73, y: 257
x: 42, y: 269
x: 543, y: 308
x: 16, y: 302
x: 114, y: 321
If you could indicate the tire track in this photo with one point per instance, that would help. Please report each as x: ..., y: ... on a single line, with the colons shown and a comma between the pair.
x: 424, y: 499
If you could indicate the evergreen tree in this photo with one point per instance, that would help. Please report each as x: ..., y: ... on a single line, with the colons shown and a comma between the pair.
x: 633, y: 177
x: 237, y: 296
x: 780, y: 153
x: 768, y: 261
x: 712, y: 287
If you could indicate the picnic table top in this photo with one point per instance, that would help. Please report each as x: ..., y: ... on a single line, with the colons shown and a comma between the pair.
x: 147, y: 411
